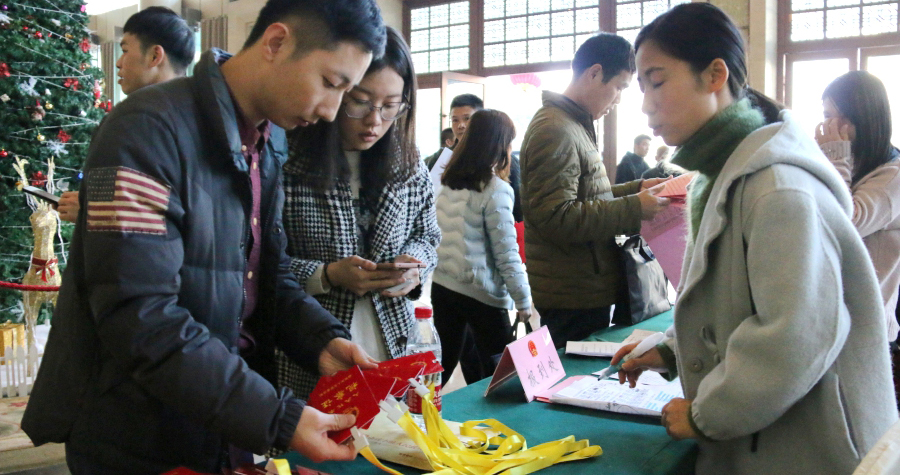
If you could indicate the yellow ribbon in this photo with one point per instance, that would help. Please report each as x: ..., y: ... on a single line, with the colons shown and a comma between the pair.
x: 506, y: 453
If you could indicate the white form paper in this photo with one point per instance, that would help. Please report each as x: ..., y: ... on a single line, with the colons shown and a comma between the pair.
x: 592, y: 348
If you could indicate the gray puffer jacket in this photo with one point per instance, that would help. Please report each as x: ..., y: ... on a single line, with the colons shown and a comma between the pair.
x: 478, y: 256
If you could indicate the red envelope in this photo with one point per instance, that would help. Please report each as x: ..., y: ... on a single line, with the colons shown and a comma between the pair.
x: 406, y: 367
x: 347, y: 392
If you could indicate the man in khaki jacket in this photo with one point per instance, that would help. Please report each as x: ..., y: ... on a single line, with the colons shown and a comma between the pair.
x: 572, y: 214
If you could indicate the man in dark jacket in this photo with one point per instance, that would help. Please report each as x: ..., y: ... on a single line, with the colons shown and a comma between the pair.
x: 178, y: 282
x: 447, y: 141
x: 633, y: 165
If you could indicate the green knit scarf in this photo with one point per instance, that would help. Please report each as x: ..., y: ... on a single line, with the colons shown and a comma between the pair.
x: 709, y: 148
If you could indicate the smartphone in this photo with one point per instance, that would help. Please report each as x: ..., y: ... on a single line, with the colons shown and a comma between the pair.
x: 400, y: 265
x: 51, y: 198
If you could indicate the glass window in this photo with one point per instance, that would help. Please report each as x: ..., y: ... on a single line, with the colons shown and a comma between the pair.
x: 439, y: 37
x: 885, y: 67
x: 808, y: 81
x: 818, y: 19
x: 536, y: 31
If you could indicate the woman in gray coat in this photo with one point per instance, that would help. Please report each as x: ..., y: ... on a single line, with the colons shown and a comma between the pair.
x: 779, y: 335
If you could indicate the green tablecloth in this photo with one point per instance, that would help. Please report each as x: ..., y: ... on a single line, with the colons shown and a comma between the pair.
x: 631, y: 444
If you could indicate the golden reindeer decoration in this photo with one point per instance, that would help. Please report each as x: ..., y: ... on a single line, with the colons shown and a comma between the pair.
x: 44, y: 269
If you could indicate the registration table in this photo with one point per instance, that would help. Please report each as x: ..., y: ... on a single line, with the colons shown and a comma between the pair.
x: 631, y: 444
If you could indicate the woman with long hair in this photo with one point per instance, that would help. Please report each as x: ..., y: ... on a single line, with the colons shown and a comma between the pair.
x: 779, y: 337
x: 856, y: 138
x: 479, y: 275
x: 357, y: 199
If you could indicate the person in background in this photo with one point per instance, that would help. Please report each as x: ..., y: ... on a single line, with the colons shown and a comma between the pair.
x: 572, y: 214
x: 779, y: 338
x: 632, y: 165
x: 357, y: 196
x: 461, y: 109
x: 447, y: 141
x: 157, y: 45
x: 856, y: 138
x: 663, y: 167
x: 178, y: 289
x: 479, y: 276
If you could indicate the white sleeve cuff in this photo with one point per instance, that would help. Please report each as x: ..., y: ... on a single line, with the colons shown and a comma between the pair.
x: 315, y: 284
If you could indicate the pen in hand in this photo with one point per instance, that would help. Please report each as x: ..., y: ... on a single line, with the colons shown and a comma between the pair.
x: 644, y: 346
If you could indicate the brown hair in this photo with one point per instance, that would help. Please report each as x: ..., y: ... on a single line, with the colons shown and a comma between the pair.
x: 482, y: 153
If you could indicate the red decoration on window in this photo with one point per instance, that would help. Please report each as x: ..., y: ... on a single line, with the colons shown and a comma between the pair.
x: 63, y: 136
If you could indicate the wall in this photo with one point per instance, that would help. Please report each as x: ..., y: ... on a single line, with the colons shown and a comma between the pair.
x: 757, y: 20
x: 241, y: 16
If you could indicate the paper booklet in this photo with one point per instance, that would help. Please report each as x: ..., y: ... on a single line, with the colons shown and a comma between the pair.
x: 609, y: 395
x: 604, y: 349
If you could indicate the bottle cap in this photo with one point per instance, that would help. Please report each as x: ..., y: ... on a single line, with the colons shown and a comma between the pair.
x: 423, y: 312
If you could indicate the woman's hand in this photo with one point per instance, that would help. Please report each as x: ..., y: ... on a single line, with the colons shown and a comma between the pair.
x: 632, y: 369
x: 676, y: 419
x: 410, y: 276
x: 833, y: 130
x: 360, y: 275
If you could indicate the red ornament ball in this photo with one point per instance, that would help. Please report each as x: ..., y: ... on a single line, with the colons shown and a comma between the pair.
x: 39, y: 35
x: 4, y: 154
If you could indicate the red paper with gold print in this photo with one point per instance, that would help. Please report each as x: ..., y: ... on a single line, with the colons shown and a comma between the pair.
x: 347, y: 392
x: 406, y: 367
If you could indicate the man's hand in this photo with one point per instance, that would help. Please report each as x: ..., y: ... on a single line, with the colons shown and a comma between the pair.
x: 833, y: 130
x: 632, y: 369
x: 650, y: 203
x: 410, y: 275
x: 360, y: 275
x: 68, y: 206
x: 651, y: 182
x: 341, y: 354
x: 675, y: 418
x: 311, y: 436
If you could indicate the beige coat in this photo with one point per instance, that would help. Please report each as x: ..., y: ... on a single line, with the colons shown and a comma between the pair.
x: 876, y: 215
x: 779, y: 331
x: 572, y: 214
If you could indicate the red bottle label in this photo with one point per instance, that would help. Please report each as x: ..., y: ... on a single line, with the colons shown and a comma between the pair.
x: 414, y: 401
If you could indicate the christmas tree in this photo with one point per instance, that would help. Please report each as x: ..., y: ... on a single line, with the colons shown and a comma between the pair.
x: 51, y: 104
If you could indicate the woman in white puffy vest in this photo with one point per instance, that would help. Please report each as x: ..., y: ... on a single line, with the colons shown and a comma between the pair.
x: 479, y: 275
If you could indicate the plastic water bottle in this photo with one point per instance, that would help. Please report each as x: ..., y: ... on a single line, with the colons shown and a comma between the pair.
x: 423, y: 337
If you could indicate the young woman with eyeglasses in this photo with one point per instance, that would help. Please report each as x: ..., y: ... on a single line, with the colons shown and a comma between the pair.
x: 357, y: 197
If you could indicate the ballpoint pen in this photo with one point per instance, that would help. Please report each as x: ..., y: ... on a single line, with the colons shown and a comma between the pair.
x: 644, y: 346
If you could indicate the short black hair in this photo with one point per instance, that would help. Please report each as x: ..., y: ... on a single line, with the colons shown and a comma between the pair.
x: 641, y: 138
x: 446, y: 135
x: 610, y: 51
x: 161, y: 26
x: 325, y: 23
x: 467, y: 100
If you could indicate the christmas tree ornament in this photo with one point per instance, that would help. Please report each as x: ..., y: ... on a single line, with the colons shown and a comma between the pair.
x: 39, y: 35
x: 4, y: 8
x: 48, y: 106
x: 63, y: 136
x: 37, y: 112
x: 84, y: 66
x: 97, y: 103
x: 4, y: 98
x: 25, y: 28
x: 38, y: 179
x: 85, y: 45
x: 82, y: 113
x: 40, y: 137
x: 3, y: 153
x: 4, y: 70
x: 69, y: 36
x: 4, y: 19
x: 46, y: 92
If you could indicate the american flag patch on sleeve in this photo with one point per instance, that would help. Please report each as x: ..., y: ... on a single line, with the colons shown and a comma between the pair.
x: 125, y: 200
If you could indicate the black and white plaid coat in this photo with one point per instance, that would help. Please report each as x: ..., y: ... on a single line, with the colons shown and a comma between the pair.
x: 321, y: 227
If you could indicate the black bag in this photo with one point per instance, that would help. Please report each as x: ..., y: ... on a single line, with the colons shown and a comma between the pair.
x: 647, y: 291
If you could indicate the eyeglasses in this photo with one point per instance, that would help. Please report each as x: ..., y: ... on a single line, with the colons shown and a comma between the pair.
x: 358, y: 109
